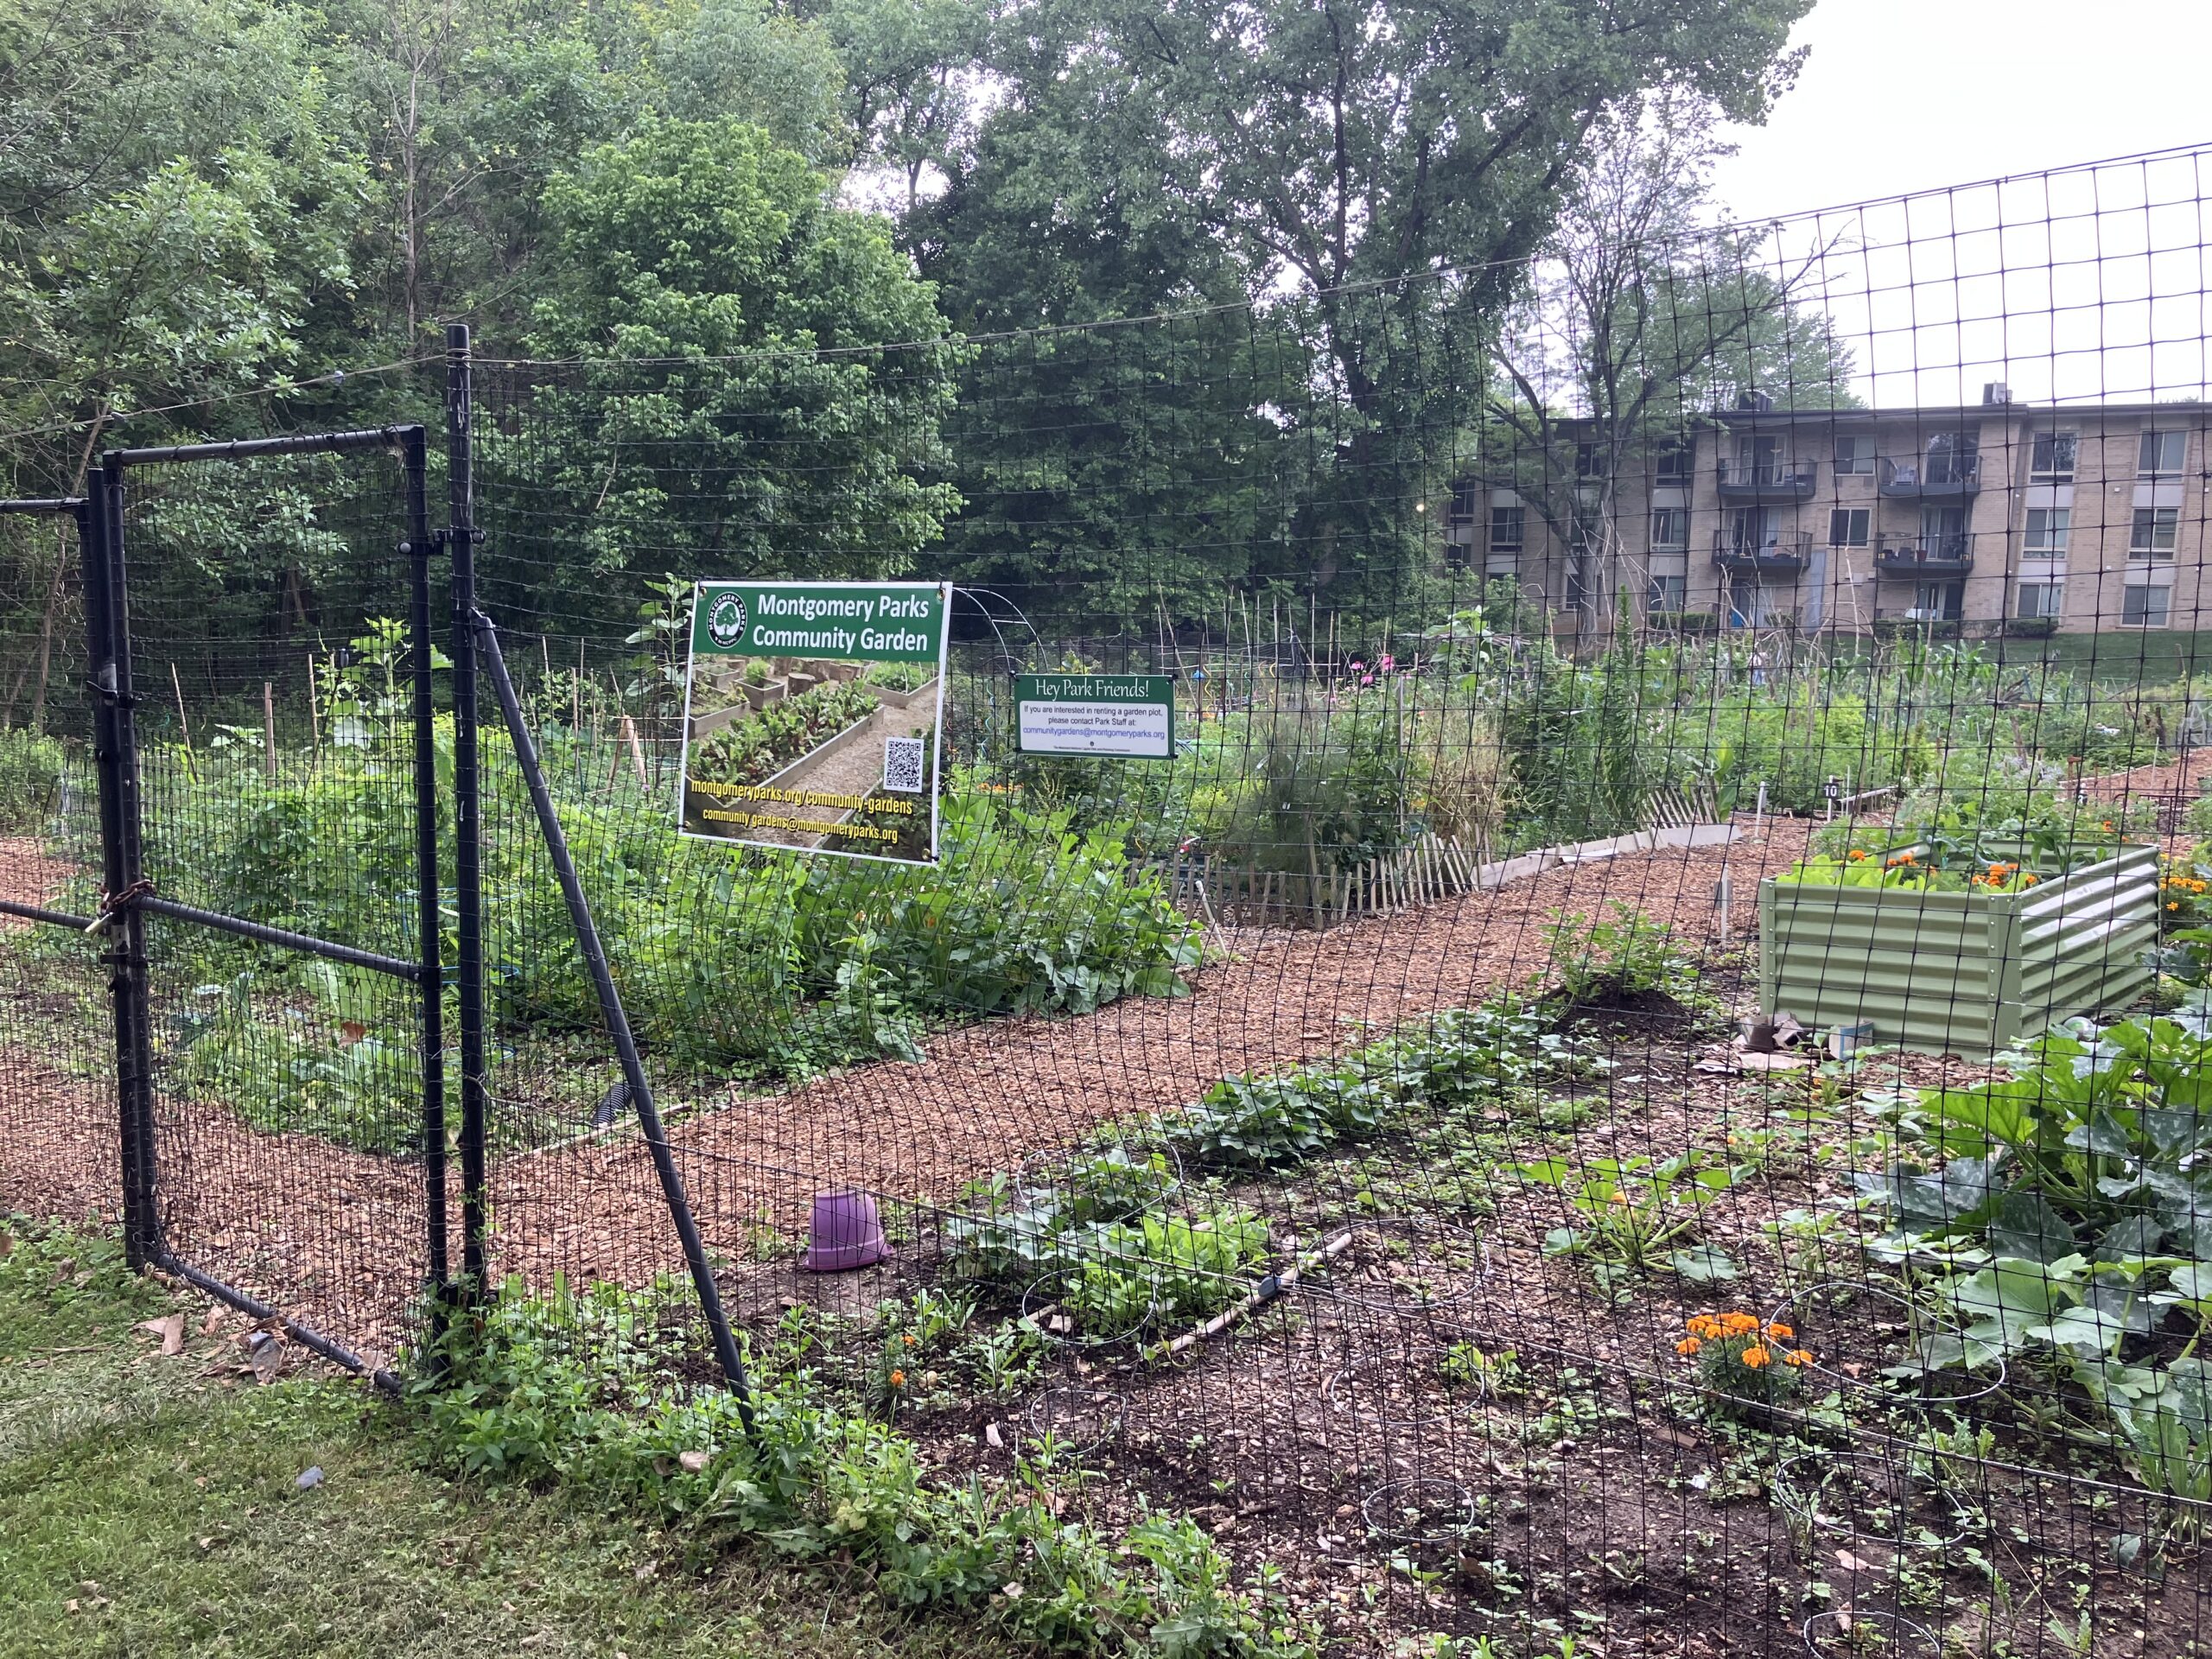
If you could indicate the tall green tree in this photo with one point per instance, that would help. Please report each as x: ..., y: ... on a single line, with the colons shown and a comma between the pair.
x: 726, y: 405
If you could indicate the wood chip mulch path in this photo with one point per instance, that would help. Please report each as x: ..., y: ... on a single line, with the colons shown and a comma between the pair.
x: 336, y: 1236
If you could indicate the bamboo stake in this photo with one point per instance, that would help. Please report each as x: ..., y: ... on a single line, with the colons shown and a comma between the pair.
x: 1268, y: 1290
x: 269, y: 729
x: 177, y: 685
x: 637, y: 749
x: 315, y: 714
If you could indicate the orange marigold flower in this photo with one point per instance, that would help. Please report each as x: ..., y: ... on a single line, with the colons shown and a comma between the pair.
x: 898, y: 1379
x: 1755, y: 1357
x: 1702, y: 1325
x: 908, y: 1338
x: 1739, y: 1325
x: 1799, y: 1356
x: 1687, y: 1345
x: 1780, y: 1331
x: 2030, y: 881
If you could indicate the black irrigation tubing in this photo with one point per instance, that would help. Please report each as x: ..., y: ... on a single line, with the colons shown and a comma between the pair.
x: 307, y: 1336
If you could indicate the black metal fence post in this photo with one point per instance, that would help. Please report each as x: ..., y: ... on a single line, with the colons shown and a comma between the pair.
x: 617, y: 1026
x: 468, y: 866
x: 431, y: 952
x: 123, y: 868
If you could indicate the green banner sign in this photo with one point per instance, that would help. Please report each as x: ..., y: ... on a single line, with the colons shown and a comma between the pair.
x: 812, y: 714
x: 1130, y: 717
x: 866, y: 622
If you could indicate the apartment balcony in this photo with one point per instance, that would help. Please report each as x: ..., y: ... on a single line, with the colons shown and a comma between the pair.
x: 1925, y: 558
x: 1787, y: 556
x: 1944, y: 478
x: 1774, y: 481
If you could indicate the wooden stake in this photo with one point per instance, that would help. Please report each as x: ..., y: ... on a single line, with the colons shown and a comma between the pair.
x: 637, y: 749
x: 269, y: 728
x: 315, y: 714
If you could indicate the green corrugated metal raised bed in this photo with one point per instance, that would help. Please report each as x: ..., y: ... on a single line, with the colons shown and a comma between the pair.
x: 1960, y: 973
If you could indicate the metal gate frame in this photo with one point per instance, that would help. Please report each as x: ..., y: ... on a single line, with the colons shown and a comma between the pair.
x: 128, y: 895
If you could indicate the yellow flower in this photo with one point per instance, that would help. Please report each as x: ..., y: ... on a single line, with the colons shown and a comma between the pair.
x: 1755, y: 1357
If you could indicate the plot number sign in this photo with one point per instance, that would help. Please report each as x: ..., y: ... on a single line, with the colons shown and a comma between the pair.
x: 1131, y: 716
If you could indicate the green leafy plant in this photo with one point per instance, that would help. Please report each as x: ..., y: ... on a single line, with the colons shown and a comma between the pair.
x: 1638, y: 1213
x: 590, y: 1390
x: 2090, y: 1147
x: 1628, y: 957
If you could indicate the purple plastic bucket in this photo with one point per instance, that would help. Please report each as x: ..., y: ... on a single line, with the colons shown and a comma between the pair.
x: 846, y: 1232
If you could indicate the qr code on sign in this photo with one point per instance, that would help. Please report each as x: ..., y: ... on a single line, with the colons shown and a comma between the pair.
x: 902, y: 764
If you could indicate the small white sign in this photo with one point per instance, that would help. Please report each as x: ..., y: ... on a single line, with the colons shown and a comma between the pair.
x: 1140, y: 730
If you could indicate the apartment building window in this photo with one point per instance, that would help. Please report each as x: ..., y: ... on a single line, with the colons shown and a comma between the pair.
x: 2041, y: 599
x: 2050, y: 460
x: 2160, y: 453
x: 1849, y: 527
x: 1953, y: 457
x: 2047, y: 531
x: 1508, y: 528
x: 1672, y: 463
x: 2153, y: 535
x: 2144, y: 607
x: 1670, y: 527
x: 1466, y: 501
x: 1854, y: 456
x: 1939, y: 602
x: 1589, y: 459
x: 1669, y: 594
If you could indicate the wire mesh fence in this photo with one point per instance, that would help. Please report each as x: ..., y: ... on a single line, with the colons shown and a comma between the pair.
x: 1629, y: 1077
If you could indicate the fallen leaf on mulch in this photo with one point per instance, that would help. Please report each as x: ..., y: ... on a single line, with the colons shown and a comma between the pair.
x: 170, y: 1329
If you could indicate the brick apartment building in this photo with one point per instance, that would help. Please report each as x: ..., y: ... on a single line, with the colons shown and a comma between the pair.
x: 2079, y: 518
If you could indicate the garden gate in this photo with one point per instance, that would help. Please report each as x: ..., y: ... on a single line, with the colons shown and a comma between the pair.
x: 295, y: 1227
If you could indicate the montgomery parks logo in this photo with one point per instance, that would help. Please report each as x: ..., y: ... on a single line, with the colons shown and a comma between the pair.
x: 726, y: 620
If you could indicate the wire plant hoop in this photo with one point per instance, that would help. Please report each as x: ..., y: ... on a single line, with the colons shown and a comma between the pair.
x: 1407, y: 1267
x: 1419, y: 1510
x: 1884, y: 1486
x: 1832, y: 1635
x: 1081, y: 1419
x: 1400, y: 1393
x: 1789, y: 1312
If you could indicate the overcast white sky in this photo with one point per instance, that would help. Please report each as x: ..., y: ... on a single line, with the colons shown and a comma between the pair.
x: 1901, y: 95
x: 2090, y: 284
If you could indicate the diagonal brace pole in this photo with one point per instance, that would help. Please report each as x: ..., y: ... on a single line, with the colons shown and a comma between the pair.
x: 618, y: 1022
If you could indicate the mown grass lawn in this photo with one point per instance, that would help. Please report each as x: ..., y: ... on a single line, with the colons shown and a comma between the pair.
x: 151, y: 1504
